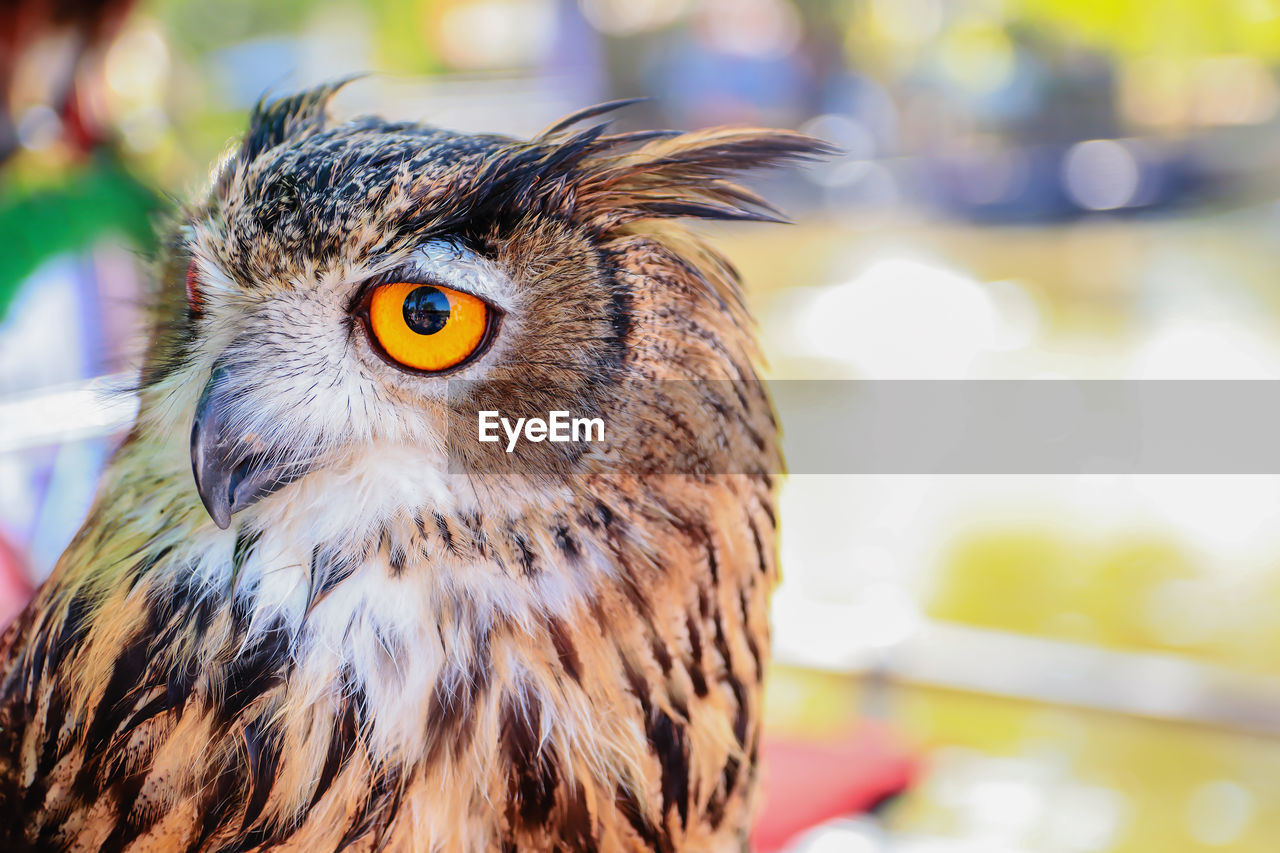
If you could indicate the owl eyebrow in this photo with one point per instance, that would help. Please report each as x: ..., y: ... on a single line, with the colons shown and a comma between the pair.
x: 462, y: 268
x: 444, y: 261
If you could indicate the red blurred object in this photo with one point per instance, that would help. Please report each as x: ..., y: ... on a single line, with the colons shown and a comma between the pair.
x: 26, y: 25
x: 15, y: 589
x: 808, y: 782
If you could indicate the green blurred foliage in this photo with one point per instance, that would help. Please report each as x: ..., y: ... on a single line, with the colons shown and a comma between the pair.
x: 40, y: 221
x: 198, y: 28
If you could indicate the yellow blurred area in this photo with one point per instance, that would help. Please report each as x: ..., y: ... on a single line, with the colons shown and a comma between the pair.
x: 1179, y: 28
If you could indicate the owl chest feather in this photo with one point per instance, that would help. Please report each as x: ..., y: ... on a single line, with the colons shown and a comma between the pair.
x: 454, y: 683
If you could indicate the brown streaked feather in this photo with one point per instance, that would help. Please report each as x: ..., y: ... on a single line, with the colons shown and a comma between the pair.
x: 154, y: 699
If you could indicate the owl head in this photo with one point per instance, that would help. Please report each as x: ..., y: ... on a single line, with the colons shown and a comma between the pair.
x: 339, y: 278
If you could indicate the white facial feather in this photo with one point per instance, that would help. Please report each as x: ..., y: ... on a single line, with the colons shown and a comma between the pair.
x: 305, y: 377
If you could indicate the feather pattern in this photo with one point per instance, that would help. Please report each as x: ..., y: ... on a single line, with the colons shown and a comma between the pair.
x: 382, y: 654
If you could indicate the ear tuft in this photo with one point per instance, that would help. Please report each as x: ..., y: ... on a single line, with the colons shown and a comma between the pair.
x: 688, y: 175
x: 291, y: 117
x: 584, y: 114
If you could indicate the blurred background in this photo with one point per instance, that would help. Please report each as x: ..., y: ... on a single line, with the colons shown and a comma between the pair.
x: 1031, y: 188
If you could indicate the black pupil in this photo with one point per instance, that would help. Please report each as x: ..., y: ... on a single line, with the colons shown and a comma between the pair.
x: 426, y: 310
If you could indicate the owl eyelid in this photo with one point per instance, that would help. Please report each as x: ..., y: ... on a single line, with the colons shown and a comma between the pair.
x: 401, y: 275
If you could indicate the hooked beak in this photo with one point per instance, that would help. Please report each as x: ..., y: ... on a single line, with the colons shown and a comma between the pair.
x: 233, y: 469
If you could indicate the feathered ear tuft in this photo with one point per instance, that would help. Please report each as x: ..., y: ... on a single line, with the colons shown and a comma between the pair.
x: 583, y: 114
x: 684, y: 175
x: 292, y: 117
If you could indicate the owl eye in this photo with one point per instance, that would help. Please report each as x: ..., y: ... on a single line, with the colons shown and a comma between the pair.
x: 427, y: 326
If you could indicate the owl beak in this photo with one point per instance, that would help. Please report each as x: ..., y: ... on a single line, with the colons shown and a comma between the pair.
x: 233, y: 468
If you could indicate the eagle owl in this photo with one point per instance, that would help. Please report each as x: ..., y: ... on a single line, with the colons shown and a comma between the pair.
x: 330, y: 637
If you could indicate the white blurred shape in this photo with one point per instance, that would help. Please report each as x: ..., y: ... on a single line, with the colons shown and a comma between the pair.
x: 623, y: 17
x: 1229, y: 517
x: 842, y: 632
x: 1085, y: 819
x: 497, y: 33
x: 842, y: 836
x: 902, y: 319
x: 874, y: 561
x: 854, y: 138
x: 997, y: 801
x: 908, y: 21
x: 812, y: 631
x: 137, y: 64
x: 1196, y: 346
x: 90, y: 408
x: 1005, y: 807
x: 763, y: 29
x: 1219, y: 812
x: 888, y: 614
x: 1101, y: 174
x: 1018, y: 320
x: 47, y: 299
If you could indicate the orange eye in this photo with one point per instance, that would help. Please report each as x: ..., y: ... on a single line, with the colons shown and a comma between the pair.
x: 426, y: 326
